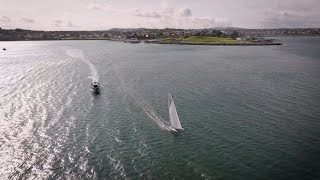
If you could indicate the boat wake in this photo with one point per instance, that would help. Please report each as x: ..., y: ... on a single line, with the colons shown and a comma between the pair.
x: 78, y: 54
x: 161, y: 123
x: 139, y: 100
x: 156, y: 118
x: 150, y: 112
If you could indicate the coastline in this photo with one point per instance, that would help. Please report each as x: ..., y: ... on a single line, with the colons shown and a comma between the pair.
x: 206, y: 37
x: 222, y: 44
x: 164, y: 43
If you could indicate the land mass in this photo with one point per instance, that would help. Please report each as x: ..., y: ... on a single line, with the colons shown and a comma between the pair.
x: 212, y: 36
x: 227, y: 41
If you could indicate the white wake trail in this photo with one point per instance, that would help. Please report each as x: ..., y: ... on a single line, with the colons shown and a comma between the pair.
x: 140, y: 101
x: 77, y: 53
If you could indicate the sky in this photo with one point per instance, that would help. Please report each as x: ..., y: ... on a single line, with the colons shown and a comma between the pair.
x: 106, y: 14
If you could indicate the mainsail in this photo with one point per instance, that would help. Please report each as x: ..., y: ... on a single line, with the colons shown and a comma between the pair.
x: 174, y: 119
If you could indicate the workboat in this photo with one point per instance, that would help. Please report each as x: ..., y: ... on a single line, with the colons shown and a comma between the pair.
x: 174, y: 118
x: 95, y: 86
x: 134, y: 41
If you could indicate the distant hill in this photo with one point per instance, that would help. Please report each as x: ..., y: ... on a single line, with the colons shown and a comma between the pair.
x: 142, y: 29
x: 126, y: 29
x: 228, y: 28
x: 169, y: 29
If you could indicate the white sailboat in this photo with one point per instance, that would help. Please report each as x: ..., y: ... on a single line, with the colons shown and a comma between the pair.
x: 174, y: 118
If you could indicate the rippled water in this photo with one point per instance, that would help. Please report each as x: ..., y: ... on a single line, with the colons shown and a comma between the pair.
x: 248, y: 112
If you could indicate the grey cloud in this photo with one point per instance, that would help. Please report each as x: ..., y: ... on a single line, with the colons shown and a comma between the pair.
x: 95, y: 6
x: 183, y: 18
x: 57, y: 22
x: 193, y: 22
x: 64, y: 24
x: 104, y: 7
x: 139, y: 13
x: 168, y: 12
x: 203, y: 22
x: 223, y: 22
x: 71, y: 25
x: 4, y: 19
x: 210, y: 22
x: 185, y: 12
x: 289, y: 20
x: 297, y: 5
x: 288, y: 13
x: 28, y: 20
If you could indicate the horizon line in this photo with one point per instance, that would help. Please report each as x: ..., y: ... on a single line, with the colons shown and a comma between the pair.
x: 217, y: 28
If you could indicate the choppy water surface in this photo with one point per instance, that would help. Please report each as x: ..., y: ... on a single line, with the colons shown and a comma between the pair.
x: 248, y: 112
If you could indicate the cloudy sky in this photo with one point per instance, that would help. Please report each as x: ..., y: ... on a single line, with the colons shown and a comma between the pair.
x: 105, y: 14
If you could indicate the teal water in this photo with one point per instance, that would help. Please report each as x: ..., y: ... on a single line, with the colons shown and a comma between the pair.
x: 248, y: 112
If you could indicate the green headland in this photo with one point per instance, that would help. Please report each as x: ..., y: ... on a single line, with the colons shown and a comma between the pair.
x: 204, y: 40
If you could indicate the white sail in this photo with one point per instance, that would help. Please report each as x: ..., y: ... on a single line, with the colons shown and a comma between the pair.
x: 174, y: 119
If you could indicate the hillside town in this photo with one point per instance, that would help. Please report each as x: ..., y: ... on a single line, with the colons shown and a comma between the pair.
x: 151, y: 34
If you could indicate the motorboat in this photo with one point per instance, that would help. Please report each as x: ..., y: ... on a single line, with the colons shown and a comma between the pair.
x: 95, y: 86
x: 134, y: 41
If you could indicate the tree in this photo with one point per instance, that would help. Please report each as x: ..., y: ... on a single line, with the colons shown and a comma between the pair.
x: 234, y: 34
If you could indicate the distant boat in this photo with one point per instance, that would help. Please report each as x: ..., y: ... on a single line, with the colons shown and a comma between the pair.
x: 134, y: 41
x: 4, y: 49
x: 174, y: 118
x: 95, y: 86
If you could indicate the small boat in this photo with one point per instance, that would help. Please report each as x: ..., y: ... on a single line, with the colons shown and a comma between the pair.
x: 134, y: 41
x: 95, y: 86
x: 4, y: 49
x: 174, y: 118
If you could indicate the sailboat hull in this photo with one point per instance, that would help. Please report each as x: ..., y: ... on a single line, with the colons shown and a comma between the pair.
x: 172, y: 129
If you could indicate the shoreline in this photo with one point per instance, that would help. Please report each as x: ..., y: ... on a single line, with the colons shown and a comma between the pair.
x: 222, y: 44
x: 165, y: 43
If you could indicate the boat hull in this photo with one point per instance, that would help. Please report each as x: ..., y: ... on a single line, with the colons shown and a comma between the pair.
x: 172, y: 129
x: 95, y: 89
x: 95, y: 86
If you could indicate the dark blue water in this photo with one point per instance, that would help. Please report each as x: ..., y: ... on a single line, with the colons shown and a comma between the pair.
x: 248, y: 112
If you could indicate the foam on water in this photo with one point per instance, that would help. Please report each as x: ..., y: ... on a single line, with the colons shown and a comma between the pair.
x: 77, y: 53
x: 147, y: 109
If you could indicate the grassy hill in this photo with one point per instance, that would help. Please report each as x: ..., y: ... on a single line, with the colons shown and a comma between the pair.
x: 200, y: 39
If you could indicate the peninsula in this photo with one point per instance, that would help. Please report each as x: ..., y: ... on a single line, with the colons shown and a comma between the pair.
x: 217, y: 41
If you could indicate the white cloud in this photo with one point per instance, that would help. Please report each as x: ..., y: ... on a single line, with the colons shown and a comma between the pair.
x: 57, y: 22
x: 223, y: 22
x: 285, y: 19
x: 93, y: 14
x: 4, y: 19
x: 168, y: 12
x: 28, y: 20
x: 64, y: 24
x: 287, y: 13
x: 71, y: 25
x: 139, y: 13
x: 96, y: 6
x: 182, y: 18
